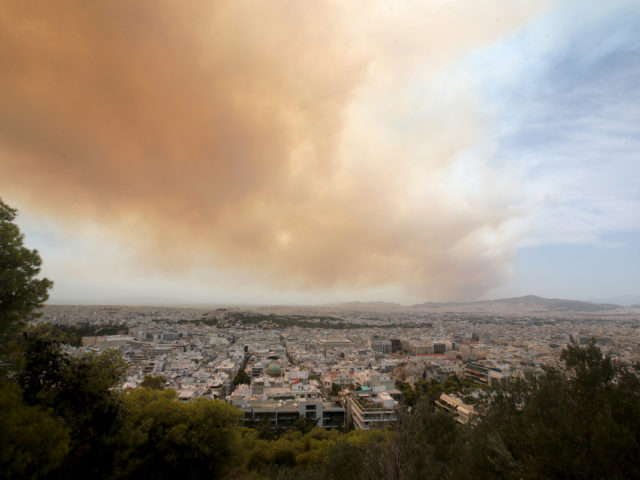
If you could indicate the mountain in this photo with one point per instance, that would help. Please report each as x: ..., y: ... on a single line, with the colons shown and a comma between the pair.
x: 526, y: 304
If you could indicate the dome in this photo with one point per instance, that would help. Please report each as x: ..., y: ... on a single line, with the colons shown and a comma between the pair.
x: 274, y: 369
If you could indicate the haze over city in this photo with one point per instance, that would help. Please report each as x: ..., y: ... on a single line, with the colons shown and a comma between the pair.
x: 315, y: 152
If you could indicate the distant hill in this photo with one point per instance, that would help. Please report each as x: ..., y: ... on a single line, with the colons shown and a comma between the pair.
x: 525, y: 304
x: 377, y: 306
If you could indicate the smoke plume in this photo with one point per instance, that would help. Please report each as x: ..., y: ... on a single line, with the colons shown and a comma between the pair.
x: 307, y: 144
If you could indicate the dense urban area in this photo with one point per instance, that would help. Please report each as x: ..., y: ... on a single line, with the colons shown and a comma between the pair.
x: 345, y: 366
x: 507, y: 389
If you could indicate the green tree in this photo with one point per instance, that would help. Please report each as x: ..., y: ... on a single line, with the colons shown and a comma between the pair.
x: 162, y: 438
x: 40, y: 365
x: 335, y: 389
x: 32, y: 441
x: 241, y: 377
x: 581, y: 423
x: 423, y: 444
x: 78, y: 391
x: 21, y: 292
x: 66, y: 400
x: 154, y: 383
x: 409, y: 395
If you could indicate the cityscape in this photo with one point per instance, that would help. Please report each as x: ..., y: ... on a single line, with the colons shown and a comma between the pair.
x: 326, y: 362
x: 320, y: 240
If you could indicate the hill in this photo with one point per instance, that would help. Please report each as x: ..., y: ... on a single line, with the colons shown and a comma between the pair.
x: 530, y: 304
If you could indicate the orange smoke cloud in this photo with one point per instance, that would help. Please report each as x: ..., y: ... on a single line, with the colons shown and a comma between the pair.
x: 247, y: 136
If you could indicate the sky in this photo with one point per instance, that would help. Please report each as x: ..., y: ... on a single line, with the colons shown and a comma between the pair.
x: 310, y: 152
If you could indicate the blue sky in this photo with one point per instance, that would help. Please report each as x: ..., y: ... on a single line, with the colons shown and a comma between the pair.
x: 565, y: 93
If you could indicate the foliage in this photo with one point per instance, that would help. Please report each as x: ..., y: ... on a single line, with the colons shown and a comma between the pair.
x: 21, y: 292
x: 265, y: 430
x: 163, y: 438
x: 72, y: 334
x: 154, y: 383
x: 584, y: 423
x: 423, y: 443
x: 33, y: 441
x: 241, y: 377
x: 78, y: 391
x: 305, y: 321
x: 211, y: 322
x: 319, y: 453
x: 335, y: 389
x: 431, y: 390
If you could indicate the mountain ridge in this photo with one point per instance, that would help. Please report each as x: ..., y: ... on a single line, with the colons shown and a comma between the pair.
x: 531, y: 303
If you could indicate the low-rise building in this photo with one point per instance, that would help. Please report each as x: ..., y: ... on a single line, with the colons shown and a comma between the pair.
x: 450, y: 403
x: 367, y: 410
x: 481, y: 373
x: 285, y: 414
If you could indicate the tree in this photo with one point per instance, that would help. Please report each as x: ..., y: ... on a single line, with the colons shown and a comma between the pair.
x: 163, y: 438
x: 423, y: 444
x: 58, y: 411
x: 77, y: 390
x: 584, y: 423
x: 409, y: 395
x: 154, y: 383
x: 33, y: 442
x: 335, y: 389
x: 241, y: 377
x: 21, y: 293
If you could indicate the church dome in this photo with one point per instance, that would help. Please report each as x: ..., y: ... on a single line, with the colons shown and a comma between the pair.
x: 274, y: 370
